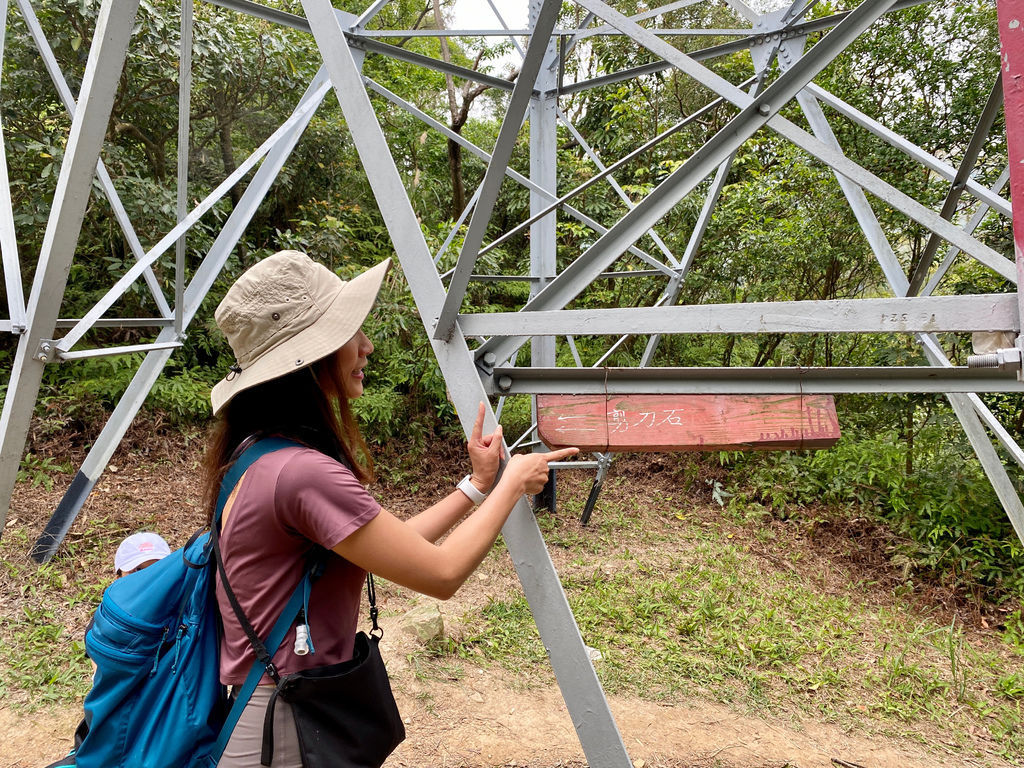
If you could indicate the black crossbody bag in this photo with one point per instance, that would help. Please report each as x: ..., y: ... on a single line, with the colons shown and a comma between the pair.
x: 345, y: 713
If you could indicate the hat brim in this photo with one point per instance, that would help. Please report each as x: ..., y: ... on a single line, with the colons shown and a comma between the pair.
x: 136, y: 560
x: 339, y: 323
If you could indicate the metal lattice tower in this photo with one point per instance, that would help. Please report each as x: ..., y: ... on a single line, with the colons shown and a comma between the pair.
x: 477, y: 352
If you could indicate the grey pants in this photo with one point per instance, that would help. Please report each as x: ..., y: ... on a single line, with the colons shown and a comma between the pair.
x: 246, y: 743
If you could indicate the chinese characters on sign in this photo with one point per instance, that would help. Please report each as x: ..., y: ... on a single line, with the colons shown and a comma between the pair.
x: 688, y: 422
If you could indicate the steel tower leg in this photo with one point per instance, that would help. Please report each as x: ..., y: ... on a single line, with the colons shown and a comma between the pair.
x: 581, y: 689
x: 543, y: 117
x: 99, y: 85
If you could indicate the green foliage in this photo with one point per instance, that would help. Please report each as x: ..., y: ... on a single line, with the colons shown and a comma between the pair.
x: 38, y: 471
x: 955, y: 529
x: 781, y: 230
x: 35, y: 634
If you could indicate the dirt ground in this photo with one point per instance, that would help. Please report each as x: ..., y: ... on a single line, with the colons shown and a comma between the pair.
x: 482, y: 721
x: 486, y: 717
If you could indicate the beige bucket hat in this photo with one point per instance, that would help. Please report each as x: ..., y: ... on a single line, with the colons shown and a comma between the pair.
x: 287, y: 312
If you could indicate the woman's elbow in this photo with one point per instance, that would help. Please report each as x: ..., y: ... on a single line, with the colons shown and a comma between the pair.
x: 445, y: 584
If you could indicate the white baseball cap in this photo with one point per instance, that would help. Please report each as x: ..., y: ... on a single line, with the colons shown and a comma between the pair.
x: 140, y: 548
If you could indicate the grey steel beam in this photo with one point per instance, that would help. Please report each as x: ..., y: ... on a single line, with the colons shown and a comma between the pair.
x: 260, y: 11
x: 756, y: 113
x: 603, y: 172
x: 133, y: 273
x: 911, y: 150
x: 457, y: 226
x: 130, y: 349
x: 595, y: 158
x: 969, y: 409
x: 937, y: 314
x: 674, y: 287
x: 723, y: 49
x: 732, y: 381
x: 8, y: 240
x: 790, y: 51
x: 447, y: 32
x: 531, y: 278
x: 88, y: 127
x: 743, y: 10
x: 495, y: 173
x: 369, y: 14
x: 120, y: 322
x: 149, y: 371
x: 410, y: 57
x: 508, y: 33
x: 514, y: 175
x: 568, y: 47
x: 988, y: 116
x: 106, y: 184
x: 933, y: 351
x: 583, y: 30
x: 543, y: 143
x: 184, y: 113
x: 975, y: 221
x: 818, y: 149
x: 991, y: 463
x: 364, y: 43
x: 588, y: 708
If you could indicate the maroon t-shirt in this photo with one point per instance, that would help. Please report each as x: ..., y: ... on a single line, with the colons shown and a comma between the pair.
x: 286, y: 501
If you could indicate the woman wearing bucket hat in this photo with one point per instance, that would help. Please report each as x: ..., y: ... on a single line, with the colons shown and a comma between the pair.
x: 295, y: 329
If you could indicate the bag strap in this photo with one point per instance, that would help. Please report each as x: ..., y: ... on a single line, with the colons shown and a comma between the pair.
x: 239, y: 468
x: 284, y: 621
x: 371, y: 595
x: 265, y: 652
x: 247, y: 458
x: 267, y: 748
x: 274, y: 640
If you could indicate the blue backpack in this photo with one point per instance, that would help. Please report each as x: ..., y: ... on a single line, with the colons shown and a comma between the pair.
x: 157, y: 700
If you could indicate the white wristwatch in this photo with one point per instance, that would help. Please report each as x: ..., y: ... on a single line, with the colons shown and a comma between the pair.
x: 475, y: 494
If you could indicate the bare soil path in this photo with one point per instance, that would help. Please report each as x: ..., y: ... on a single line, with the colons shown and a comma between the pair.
x: 484, y: 722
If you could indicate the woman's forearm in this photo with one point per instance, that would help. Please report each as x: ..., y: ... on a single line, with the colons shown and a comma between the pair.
x: 468, y: 544
x: 434, y: 522
x: 398, y: 551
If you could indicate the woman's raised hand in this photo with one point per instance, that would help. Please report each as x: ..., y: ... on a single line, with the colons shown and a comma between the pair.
x: 485, y: 453
x: 530, y: 470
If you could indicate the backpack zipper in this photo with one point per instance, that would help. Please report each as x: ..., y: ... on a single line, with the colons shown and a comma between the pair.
x: 159, y: 648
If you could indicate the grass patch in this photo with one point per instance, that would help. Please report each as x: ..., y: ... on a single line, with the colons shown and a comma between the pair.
x: 681, y: 608
x: 42, y: 645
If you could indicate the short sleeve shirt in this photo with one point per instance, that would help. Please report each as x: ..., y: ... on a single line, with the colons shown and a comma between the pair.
x: 287, y: 501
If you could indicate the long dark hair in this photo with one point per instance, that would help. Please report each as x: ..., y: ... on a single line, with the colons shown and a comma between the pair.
x: 308, y: 405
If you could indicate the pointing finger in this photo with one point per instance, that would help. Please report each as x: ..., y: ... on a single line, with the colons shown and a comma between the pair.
x: 478, y: 426
x: 561, y: 454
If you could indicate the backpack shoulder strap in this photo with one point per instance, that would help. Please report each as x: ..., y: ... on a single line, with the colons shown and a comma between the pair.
x: 264, y: 652
x: 249, y: 457
x: 274, y: 639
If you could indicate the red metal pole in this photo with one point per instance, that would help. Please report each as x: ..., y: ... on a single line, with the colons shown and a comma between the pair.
x: 1011, y: 38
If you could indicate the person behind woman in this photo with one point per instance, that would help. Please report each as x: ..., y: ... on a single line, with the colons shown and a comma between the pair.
x: 295, y: 329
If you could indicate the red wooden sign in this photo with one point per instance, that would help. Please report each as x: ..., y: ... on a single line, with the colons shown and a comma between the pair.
x: 687, y: 422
